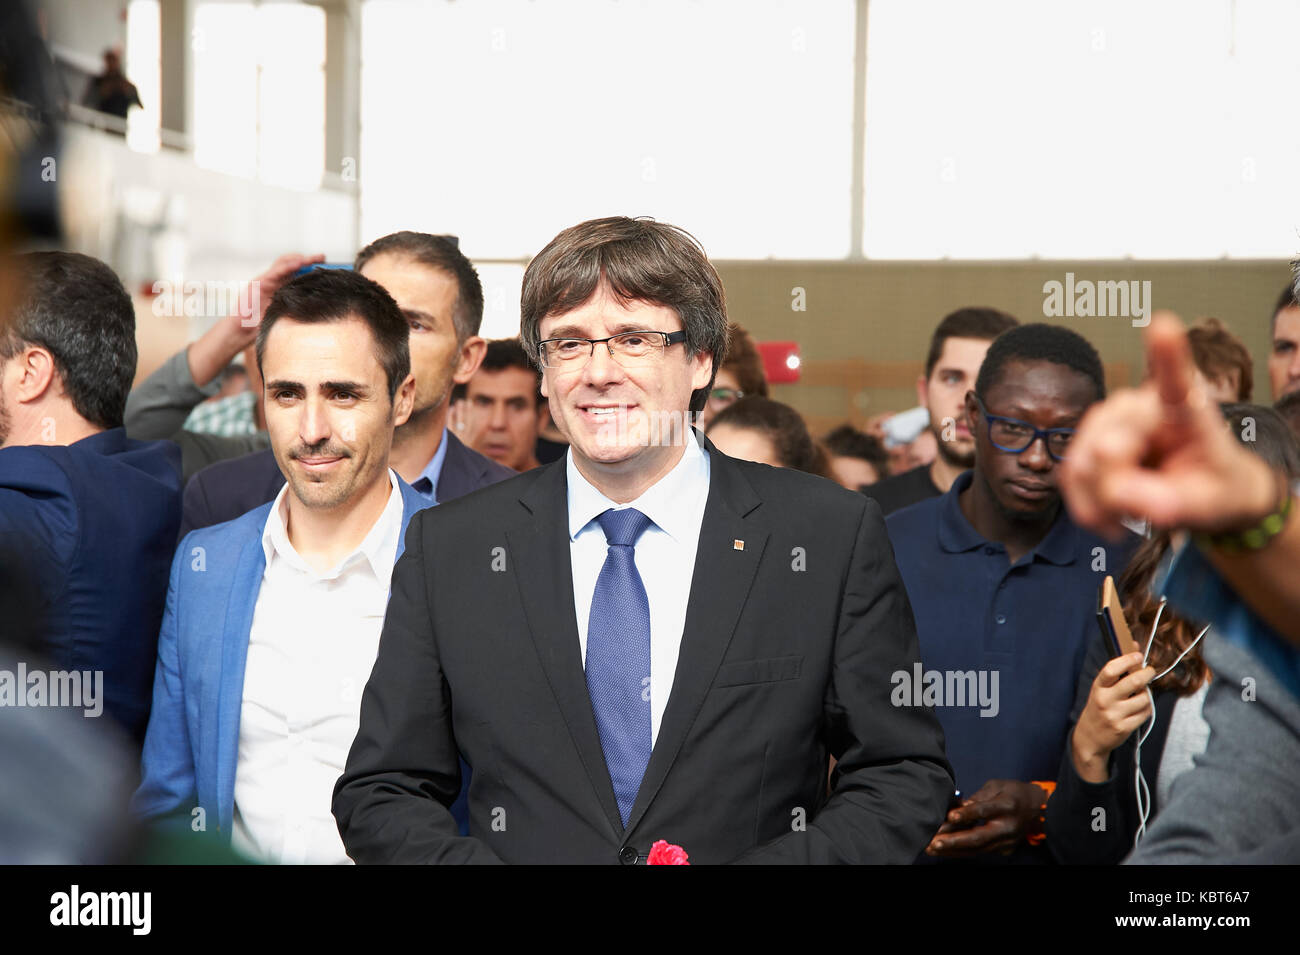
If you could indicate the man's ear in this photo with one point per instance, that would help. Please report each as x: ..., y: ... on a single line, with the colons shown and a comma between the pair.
x: 36, y: 374
x: 404, y: 401
x: 471, y: 356
x: 972, y: 411
x: 703, y: 372
x: 923, y: 391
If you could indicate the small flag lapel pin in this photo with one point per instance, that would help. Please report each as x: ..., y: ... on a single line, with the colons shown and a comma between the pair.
x: 737, y: 545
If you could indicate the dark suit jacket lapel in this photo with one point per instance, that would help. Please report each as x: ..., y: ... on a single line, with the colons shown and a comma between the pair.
x: 542, y: 565
x: 719, y: 588
x: 460, y: 472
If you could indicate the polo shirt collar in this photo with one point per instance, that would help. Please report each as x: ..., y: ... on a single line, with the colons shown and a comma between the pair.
x: 956, y: 535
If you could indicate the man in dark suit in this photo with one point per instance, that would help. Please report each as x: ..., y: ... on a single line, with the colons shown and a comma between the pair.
x: 647, y: 640
x: 93, y: 513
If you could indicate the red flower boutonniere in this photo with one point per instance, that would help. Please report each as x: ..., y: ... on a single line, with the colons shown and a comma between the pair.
x: 665, y: 853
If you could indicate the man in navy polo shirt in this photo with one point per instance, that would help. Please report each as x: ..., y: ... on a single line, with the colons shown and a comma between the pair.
x: 1004, y: 588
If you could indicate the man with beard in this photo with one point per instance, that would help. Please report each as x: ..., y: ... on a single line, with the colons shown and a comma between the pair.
x: 1004, y: 587
x: 957, y: 347
x: 1284, y: 354
x: 272, y: 620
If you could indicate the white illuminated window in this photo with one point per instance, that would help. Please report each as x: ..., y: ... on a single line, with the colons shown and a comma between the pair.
x: 506, y: 122
x: 502, y: 285
x: 143, y: 67
x: 259, y: 91
x: 1017, y: 128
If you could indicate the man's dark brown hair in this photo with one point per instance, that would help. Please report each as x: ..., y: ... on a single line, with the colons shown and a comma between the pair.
x: 1218, y: 354
x: 1287, y: 299
x: 503, y: 353
x: 783, y: 426
x: 637, y: 260
x: 337, y: 295
x: 984, y: 324
x: 75, y: 308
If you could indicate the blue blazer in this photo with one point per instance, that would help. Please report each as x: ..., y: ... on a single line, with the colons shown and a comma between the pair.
x: 192, y: 745
x: 92, y: 527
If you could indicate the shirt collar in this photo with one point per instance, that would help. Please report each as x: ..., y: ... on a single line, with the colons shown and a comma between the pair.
x: 432, y: 472
x: 668, y: 502
x: 378, y: 548
x: 1059, y: 546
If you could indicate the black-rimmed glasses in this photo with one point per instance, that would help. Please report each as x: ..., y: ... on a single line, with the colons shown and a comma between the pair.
x: 633, y: 347
x: 1015, y: 436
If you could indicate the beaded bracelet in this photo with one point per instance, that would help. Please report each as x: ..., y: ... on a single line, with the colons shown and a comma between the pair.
x: 1252, y: 539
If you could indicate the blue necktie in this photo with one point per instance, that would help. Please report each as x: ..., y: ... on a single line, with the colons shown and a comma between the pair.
x: 618, y: 657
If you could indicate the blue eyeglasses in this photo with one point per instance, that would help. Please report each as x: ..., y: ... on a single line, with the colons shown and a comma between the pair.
x: 1015, y: 436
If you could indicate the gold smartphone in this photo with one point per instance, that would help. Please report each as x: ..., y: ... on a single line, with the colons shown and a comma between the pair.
x: 1110, y: 616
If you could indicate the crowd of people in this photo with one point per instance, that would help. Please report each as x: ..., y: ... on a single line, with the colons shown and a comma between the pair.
x: 361, y: 585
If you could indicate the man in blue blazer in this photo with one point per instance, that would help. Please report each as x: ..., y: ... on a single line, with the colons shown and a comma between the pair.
x: 91, y: 514
x: 272, y: 619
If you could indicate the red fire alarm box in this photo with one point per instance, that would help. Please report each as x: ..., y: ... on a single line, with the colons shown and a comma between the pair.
x: 780, y: 362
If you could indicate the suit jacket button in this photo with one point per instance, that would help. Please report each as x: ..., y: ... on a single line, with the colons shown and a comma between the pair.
x: 627, y: 855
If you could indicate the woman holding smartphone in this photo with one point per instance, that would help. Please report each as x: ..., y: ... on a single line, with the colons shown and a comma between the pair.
x: 1101, y: 802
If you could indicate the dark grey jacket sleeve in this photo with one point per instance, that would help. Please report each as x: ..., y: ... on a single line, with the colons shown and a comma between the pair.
x: 157, y: 407
x: 1239, y: 803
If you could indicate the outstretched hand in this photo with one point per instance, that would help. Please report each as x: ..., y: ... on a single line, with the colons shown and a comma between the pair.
x: 1162, y: 451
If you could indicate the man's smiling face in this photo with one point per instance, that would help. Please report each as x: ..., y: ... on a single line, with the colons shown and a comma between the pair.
x: 327, y: 409
x: 622, y: 417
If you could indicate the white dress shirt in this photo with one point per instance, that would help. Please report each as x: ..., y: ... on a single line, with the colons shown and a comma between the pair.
x: 665, y: 558
x: 311, y: 648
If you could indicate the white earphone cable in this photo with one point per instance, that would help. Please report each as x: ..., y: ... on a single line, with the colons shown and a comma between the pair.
x: 1141, y: 791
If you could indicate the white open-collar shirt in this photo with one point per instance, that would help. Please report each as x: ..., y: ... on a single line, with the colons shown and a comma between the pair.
x: 311, y: 648
x: 665, y: 558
